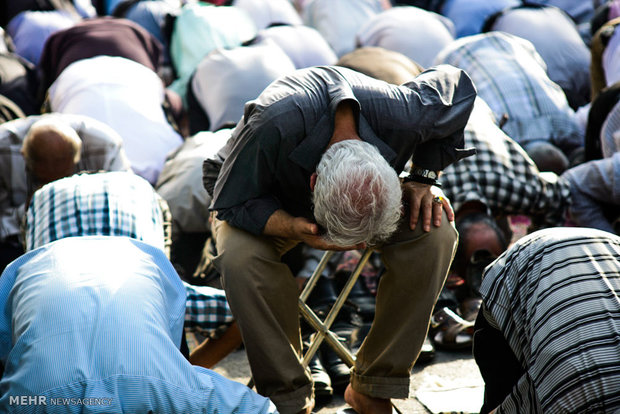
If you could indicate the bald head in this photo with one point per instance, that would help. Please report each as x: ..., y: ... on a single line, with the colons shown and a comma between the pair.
x: 51, y: 150
x: 477, y: 231
x: 547, y: 157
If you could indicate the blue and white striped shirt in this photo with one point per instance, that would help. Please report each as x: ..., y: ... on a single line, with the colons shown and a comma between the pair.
x: 512, y: 79
x: 120, y: 204
x: 99, y: 319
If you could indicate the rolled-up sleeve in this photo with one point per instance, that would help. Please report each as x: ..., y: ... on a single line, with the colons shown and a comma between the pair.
x: 445, y: 96
x: 243, y: 192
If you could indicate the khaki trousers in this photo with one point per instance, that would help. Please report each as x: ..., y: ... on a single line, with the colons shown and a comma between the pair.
x: 263, y: 296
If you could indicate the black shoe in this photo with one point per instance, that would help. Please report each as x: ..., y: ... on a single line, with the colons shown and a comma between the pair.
x: 323, y: 391
x: 323, y: 295
x: 360, y: 298
x: 338, y: 371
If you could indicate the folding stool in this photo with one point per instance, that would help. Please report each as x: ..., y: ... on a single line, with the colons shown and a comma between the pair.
x: 322, y: 327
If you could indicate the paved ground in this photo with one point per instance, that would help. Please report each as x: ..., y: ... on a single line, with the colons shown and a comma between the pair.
x: 450, y: 383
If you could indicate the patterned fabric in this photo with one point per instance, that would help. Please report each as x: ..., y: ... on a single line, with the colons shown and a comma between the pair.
x: 101, y: 317
x: 102, y: 149
x: 118, y: 204
x: 595, y: 193
x: 502, y: 176
x: 610, y: 133
x: 206, y: 311
x: 105, y: 204
x: 511, y: 77
x: 555, y: 296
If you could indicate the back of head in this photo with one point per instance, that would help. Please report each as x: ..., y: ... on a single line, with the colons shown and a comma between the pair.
x: 51, y: 149
x: 481, y: 240
x: 547, y: 156
x: 377, y: 62
x: 357, y: 196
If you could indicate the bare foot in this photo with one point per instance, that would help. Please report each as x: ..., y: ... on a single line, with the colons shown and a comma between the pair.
x: 307, y: 410
x: 364, y: 404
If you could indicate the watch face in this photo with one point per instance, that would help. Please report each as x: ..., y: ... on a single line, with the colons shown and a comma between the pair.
x: 426, y: 173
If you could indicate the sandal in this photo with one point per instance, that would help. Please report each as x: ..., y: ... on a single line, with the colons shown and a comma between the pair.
x: 449, y: 331
x: 469, y: 308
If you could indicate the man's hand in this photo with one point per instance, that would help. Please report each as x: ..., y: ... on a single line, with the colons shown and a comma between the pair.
x: 419, y: 197
x: 282, y: 224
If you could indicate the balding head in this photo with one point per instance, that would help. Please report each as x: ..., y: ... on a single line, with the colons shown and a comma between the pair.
x: 51, y: 150
x: 547, y: 156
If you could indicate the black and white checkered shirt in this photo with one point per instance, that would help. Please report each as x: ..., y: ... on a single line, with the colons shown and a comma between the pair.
x: 502, y: 176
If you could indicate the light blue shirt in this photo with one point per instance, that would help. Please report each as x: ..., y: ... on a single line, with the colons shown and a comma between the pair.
x: 469, y: 15
x: 99, y: 320
x: 200, y: 28
x: 30, y: 29
x: 595, y: 184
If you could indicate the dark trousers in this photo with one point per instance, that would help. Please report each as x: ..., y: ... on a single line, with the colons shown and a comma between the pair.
x: 10, y: 250
x: 498, y: 365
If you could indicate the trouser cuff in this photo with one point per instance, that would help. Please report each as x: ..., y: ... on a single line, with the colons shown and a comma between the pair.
x: 294, y: 402
x: 380, y: 387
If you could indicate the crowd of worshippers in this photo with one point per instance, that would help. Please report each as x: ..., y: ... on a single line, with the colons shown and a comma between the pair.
x: 172, y: 171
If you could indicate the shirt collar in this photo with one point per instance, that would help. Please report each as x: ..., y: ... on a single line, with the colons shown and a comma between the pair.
x: 309, y: 151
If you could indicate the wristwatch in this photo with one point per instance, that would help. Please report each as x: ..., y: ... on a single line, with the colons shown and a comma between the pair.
x: 421, y: 172
x: 424, y: 176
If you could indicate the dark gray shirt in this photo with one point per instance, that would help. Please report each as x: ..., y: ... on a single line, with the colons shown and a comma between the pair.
x: 267, y: 163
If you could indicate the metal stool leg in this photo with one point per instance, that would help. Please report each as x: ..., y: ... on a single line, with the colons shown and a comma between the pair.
x: 322, y: 327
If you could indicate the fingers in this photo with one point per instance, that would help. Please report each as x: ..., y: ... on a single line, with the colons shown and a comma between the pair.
x: 438, y: 205
x: 414, y: 212
x: 419, y: 199
x: 320, y: 243
x: 312, y: 228
x: 426, y: 205
x: 427, y: 209
x: 448, y: 209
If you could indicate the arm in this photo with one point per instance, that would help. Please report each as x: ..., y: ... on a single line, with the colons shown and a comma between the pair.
x: 593, y: 185
x: 440, y: 103
x: 282, y: 224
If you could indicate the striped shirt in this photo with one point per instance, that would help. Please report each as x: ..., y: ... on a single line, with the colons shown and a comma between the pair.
x: 502, y: 176
x: 555, y: 296
x: 610, y: 132
x: 120, y: 204
x: 109, y: 204
x: 511, y: 77
x: 98, y: 319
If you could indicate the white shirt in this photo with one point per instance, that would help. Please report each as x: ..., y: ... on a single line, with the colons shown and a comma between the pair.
x: 414, y: 32
x: 303, y: 44
x: 266, y: 12
x: 128, y: 97
x: 339, y: 20
x: 223, y: 101
x: 180, y: 182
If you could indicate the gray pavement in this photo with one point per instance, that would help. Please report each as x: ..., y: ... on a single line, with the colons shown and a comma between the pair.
x: 450, y: 383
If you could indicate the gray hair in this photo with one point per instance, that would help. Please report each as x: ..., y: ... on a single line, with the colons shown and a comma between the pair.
x: 357, y: 196
x: 63, y: 134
